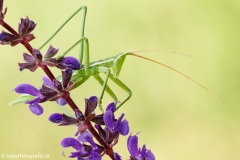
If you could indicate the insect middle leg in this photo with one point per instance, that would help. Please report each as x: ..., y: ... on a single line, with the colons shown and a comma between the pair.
x: 107, y: 88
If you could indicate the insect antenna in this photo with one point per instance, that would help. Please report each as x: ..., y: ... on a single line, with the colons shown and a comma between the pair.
x: 131, y: 53
x: 168, y: 51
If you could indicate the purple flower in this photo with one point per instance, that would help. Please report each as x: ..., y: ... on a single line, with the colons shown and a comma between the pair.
x: 53, y: 91
x: 138, y: 153
x: 32, y: 61
x: 50, y: 91
x: 36, y: 60
x: 25, y: 27
x: 83, y: 152
x: 115, y: 125
x: 7, y: 38
x: 29, y: 89
x: 81, y: 119
x: 63, y: 120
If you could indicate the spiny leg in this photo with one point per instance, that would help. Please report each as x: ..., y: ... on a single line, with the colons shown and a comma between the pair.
x: 123, y: 86
x: 107, y: 88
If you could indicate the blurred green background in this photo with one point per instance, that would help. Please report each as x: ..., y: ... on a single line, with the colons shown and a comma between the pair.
x: 178, y: 120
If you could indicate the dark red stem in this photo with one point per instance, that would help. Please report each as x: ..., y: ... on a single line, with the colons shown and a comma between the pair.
x: 10, y: 29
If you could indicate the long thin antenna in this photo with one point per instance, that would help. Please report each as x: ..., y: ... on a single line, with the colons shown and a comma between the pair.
x: 177, y: 72
x: 167, y: 51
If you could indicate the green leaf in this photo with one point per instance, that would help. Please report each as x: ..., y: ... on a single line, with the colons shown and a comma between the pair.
x: 21, y: 99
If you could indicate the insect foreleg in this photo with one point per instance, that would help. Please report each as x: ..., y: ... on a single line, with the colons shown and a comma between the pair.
x: 84, y: 8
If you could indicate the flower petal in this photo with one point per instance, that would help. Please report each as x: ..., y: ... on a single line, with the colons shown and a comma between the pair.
x: 28, y: 89
x: 26, y: 26
x: 7, y: 38
x: 71, y: 142
x: 36, y: 100
x: 56, y: 118
x: 94, y: 156
x: 71, y: 62
x: 132, y: 145
x: 51, y: 52
x: 57, y: 85
x: 47, y: 82
x: 123, y: 128
x: 61, y: 101
x: 87, y: 137
x: 66, y: 77
x: 149, y: 155
x: 93, y: 98
x: 37, y: 54
x: 90, y: 105
x: 36, y: 109
x: 111, y: 107
x: 142, y: 152
x: 28, y: 58
x: 31, y: 66
x: 98, y: 119
x: 108, y: 119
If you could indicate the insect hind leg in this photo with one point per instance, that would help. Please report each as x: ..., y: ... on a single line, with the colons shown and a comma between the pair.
x: 123, y: 86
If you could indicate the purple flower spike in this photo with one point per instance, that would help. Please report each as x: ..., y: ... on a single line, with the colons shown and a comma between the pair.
x: 29, y: 89
x: 137, y: 153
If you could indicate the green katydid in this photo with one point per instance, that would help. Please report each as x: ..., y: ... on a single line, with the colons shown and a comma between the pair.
x: 110, y: 66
